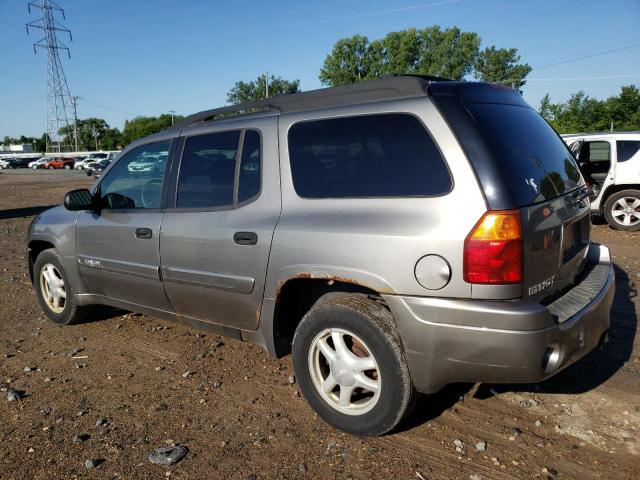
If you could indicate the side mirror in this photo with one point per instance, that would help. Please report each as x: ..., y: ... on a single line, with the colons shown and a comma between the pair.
x: 80, y: 199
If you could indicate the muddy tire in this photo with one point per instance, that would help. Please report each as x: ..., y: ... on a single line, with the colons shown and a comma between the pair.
x: 350, y: 365
x: 54, y: 291
x: 622, y: 210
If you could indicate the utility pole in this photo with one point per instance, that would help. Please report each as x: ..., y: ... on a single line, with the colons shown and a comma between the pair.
x: 58, y: 97
x: 95, y: 135
x: 172, y: 112
x: 266, y: 85
x: 74, y: 101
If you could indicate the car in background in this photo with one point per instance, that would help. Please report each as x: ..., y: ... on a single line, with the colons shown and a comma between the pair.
x: 610, y: 164
x: 147, y: 164
x: 35, y: 164
x: 97, y: 168
x: 58, y: 162
x: 15, y: 162
x: 92, y: 158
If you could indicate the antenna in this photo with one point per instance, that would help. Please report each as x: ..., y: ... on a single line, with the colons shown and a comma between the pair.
x: 58, y: 97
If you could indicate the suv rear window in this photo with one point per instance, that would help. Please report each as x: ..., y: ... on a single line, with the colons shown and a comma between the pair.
x: 536, y: 163
x: 385, y: 155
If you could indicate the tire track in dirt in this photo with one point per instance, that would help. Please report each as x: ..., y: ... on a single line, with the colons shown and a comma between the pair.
x: 129, y: 343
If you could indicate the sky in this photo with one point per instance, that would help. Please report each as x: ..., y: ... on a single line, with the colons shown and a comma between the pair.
x: 132, y: 58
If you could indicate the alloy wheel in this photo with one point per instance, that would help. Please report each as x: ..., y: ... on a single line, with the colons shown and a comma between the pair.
x: 344, y: 371
x: 52, y: 288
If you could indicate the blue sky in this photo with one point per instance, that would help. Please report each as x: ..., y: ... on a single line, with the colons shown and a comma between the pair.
x: 136, y: 57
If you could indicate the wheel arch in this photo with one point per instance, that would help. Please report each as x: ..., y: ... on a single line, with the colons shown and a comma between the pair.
x: 35, y: 248
x: 296, y: 296
x: 611, y: 189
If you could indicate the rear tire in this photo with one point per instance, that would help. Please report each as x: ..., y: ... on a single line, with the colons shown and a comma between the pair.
x: 350, y: 365
x: 54, y: 291
x: 622, y: 210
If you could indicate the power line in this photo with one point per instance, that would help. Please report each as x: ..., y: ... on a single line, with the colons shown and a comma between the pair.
x: 587, y: 56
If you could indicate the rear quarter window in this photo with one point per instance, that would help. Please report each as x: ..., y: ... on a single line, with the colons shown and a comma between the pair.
x: 384, y: 155
x: 627, y: 149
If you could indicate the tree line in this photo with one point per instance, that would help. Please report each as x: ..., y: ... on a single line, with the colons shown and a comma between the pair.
x: 450, y: 53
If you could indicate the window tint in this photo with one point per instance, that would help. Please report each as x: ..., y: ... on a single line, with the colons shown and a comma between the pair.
x: 207, y: 170
x: 536, y: 163
x: 598, y: 152
x: 627, y: 149
x: 388, y: 155
x: 135, y: 181
x: 249, y: 181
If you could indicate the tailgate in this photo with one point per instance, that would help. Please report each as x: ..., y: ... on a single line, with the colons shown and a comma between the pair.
x: 555, y: 243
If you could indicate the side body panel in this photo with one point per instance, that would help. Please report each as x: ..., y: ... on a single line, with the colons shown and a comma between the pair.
x: 376, y: 242
x: 207, y: 276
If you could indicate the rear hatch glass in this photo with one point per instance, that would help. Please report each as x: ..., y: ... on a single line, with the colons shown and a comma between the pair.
x: 537, y: 164
x: 544, y: 183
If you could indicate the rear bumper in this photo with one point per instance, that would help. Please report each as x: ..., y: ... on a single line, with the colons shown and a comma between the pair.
x: 449, y: 340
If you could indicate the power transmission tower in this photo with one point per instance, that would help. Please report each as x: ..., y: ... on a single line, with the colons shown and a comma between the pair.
x: 58, y: 98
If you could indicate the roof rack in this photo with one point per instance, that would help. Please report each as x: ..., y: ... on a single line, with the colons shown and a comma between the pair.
x: 385, y: 88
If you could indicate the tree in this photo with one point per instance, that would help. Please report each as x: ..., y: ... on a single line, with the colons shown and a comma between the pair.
x: 91, y: 132
x: 142, y: 126
x: 447, y: 53
x: 500, y: 65
x: 348, y: 62
x: 581, y: 113
x: 243, y: 92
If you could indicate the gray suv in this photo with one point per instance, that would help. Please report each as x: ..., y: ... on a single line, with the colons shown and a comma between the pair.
x: 395, y: 236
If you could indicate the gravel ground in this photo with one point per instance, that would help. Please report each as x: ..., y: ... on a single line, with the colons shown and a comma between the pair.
x: 96, y: 399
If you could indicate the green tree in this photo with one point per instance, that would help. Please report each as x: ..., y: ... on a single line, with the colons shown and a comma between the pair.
x: 243, y: 92
x: 501, y: 65
x: 430, y: 51
x: 581, y: 113
x: 142, y: 126
x: 348, y: 62
x: 90, y: 134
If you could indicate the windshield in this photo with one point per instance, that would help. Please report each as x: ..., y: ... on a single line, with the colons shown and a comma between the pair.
x: 536, y: 163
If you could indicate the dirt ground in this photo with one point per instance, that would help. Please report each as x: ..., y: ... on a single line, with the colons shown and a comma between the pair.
x: 240, y: 418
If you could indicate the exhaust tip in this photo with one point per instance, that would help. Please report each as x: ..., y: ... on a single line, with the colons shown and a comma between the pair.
x: 551, y: 358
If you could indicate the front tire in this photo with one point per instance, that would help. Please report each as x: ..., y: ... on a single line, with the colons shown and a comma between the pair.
x: 54, y: 291
x: 622, y: 210
x: 350, y: 365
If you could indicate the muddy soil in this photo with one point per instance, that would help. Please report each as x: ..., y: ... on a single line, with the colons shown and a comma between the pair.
x: 120, y: 382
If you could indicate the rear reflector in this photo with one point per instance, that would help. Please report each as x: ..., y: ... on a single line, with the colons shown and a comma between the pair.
x: 493, y: 249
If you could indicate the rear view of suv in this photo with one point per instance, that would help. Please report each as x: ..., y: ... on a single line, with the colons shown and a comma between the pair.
x: 395, y: 236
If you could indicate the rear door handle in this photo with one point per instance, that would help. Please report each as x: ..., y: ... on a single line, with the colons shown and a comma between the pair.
x: 144, y: 233
x: 245, y: 238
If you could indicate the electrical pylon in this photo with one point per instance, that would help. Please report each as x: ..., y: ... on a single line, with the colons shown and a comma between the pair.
x: 58, y: 98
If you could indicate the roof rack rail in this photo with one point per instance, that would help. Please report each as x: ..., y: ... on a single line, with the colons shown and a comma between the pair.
x: 388, y: 87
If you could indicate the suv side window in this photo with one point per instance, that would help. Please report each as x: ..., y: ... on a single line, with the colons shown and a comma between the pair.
x: 381, y: 155
x: 627, y: 149
x: 135, y: 181
x: 208, y: 175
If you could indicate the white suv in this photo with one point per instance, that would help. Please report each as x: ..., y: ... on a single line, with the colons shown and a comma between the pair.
x: 610, y: 162
x: 92, y: 158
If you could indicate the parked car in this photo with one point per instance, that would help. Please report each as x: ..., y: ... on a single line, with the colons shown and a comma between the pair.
x: 92, y: 158
x: 610, y: 163
x: 148, y: 164
x: 35, y: 164
x: 97, y: 168
x: 394, y: 235
x: 15, y: 162
x: 58, y: 162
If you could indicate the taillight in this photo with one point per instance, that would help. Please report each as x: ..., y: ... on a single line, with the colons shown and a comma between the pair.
x: 493, y: 249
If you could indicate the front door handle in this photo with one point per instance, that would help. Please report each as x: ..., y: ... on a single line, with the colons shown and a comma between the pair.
x: 245, y: 238
x: 144, y: 233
